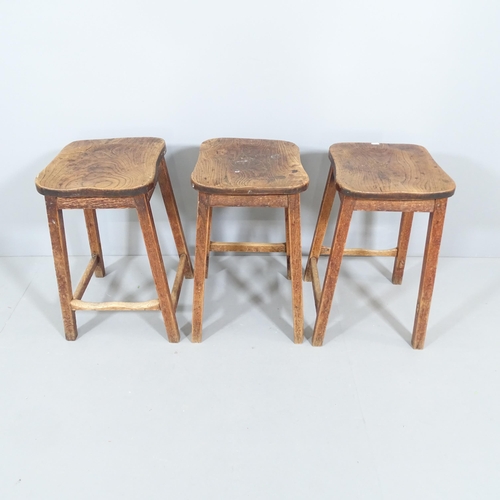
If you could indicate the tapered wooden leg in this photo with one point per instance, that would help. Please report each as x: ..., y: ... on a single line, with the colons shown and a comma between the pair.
x: 295, y: 252
x: 322, y: 224
x: 157, y: 267
x: 287, y: 245
x: 173, y: 216
x: 94, y: 240
x: 200, y: 267
x: 61, y: 263
x: 402, y: 250
x: 429, y: 266
x: 209, y: 232
x: 332, y: 270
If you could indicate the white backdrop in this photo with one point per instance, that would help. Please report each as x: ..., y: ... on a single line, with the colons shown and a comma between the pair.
x: 314, y: 73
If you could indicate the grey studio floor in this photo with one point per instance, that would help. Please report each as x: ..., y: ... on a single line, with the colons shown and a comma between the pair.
x: 123, y: 414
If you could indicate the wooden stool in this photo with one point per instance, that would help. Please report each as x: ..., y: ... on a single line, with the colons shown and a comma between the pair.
x: 249, y: 173
x: 380, y: 177
x: 112, y: 173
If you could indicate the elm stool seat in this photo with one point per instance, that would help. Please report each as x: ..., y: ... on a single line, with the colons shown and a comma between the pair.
x: 249, y: 173
x: 380, y: 177
x: 112, y: 173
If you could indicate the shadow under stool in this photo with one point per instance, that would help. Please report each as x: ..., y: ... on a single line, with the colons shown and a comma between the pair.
x: 249, y: 173
x: 112, y: 173
x: 380, y: 177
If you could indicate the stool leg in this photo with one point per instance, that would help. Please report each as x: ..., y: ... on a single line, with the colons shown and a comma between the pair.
x: 157, y: 267
x: 200, y: 266
x: 332, y: 270
x: 94, y: 240
x: 429, y: 266
x: 61, y: 263
x: 287, y: 245
x: 209, y: 232
x: 295, y: 252
x: 167, y: 194
x: 322, y: 224
x: 402, y: 250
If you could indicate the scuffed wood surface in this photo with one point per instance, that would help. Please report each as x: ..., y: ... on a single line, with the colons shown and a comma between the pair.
x: 200, y: 265
x: 390, y: 171
x: 363, y: 252
x: 153, y: 250
x: 246, y: 246
x: 95, y: 241
x: 148, y: 305
x: 295, y: 266
x: 249, y: 166
x: 402, y: 248
x: 315, y: 282
x: 322, y: 224
x: 332, y: 270
x: 273, y: 201
x: 86, y: 277
x: 95, y: 203
x: 103, y: 168
x: 383, y: 205
x: 428, y: 276
x: 168, y: 196
x: 182, y: 270
x: 61, y: 264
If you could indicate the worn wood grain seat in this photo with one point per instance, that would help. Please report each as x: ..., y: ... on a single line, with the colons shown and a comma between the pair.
x: 380, y: 177
x: 112, y: 173
x: 248, y: 173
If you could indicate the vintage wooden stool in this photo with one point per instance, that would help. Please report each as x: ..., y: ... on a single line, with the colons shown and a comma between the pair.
x: 380, y: 177
x: 249, y: 173
x: 112, y: 173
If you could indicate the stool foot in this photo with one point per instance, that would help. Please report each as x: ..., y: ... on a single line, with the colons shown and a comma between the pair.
x: 429, y: 267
